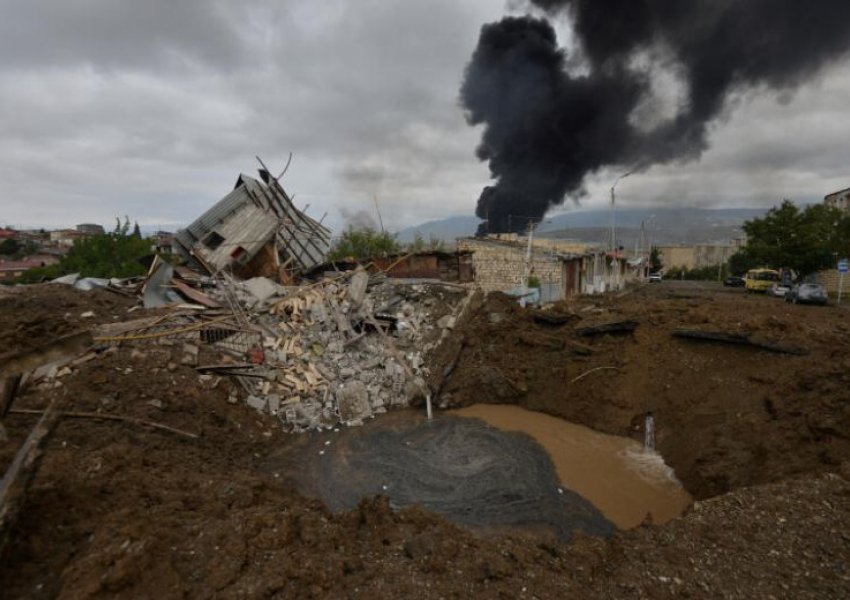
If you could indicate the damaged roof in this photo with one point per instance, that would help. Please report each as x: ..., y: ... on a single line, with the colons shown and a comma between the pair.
x: 255, y: 213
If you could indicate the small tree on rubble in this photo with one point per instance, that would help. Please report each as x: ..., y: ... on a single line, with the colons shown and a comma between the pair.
x: 362, y: 244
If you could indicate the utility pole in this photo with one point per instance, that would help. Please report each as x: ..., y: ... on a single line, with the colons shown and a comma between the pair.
x: 527, y: 266
x: 615, y: 264
x: 378, y: 210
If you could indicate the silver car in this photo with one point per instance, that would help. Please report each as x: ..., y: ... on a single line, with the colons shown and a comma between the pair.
x: 807, y: 293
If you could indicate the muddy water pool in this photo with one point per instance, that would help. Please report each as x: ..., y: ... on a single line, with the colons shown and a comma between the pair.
x: 494, y: 468
x: 616, y: 474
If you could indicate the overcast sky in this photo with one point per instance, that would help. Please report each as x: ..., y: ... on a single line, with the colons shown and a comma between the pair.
x: 151, y: 109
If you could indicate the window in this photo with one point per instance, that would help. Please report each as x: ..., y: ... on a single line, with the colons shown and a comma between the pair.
x: 213, y: 240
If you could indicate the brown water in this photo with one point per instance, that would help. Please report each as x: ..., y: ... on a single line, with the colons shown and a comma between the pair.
x: 616, y: 474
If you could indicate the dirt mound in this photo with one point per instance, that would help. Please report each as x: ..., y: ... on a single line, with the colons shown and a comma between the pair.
x: 121, y: 510
x: 33, y: 315
x: 726, y: 415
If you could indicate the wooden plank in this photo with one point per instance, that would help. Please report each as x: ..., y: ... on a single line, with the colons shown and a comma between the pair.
x: 194, y: 295
x: 15, y: 482
x: 7, y: 393
x: 738, y: 340
x: 610, y: 327
x: 552, y: 319
x: 64, y: 348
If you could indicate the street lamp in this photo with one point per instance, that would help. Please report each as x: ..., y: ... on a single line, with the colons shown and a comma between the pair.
x: 615, y: 262
x: 613, y: 206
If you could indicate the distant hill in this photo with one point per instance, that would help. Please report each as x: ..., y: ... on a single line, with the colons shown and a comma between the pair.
x: 447, y: 229
x: 664, y: 225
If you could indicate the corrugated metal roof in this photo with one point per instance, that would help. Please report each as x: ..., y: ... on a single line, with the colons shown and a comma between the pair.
x: 299, y: 236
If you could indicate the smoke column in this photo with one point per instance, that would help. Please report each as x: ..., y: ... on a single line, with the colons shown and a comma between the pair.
x: 548, y: 125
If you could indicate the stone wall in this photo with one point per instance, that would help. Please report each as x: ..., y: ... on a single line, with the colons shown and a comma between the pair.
x: 499, y: 265
x: 830, y: 279
x: 696, y: 256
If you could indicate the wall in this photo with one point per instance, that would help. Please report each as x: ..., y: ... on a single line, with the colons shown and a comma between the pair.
x: 453, y: 267
x: 830, y: 279
x: 499, y: 266
x: 697, y: 256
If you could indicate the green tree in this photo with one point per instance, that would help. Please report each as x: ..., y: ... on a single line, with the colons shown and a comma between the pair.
x: 742, y: 261
x: 114, y: 254
x: 9, y: 246
x: 362, y: 244
x: 655, y: 263
x: 805, y: 241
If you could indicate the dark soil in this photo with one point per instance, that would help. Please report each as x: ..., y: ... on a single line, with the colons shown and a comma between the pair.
x: 120, y: 510
x: 33, y: 315
x: 726, y: 415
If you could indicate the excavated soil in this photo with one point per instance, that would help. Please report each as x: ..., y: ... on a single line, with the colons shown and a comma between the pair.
x: 762, y: 440
x: 726, y: 415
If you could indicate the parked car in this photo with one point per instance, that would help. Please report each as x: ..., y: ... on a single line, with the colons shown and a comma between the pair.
x: 807, y: 293
x: 655, y: 277
x: 734, y: 281
x: 779, y: 289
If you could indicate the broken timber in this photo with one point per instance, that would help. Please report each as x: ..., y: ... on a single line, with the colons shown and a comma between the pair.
x: 108, y: 417
x: 13, y: 366
x: 739, y: 340
x: 13, y: 486
x: 552, y: 319
x: 611, y: 327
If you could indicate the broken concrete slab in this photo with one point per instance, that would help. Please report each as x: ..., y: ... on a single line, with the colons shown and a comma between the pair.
x: 190, y: 354
x: 274, y: 403
x: 69, y: 279
x: 357, y: 287
x: 353, y: 401
x: 256, y: 403
x: 261, y: 289
x: 446, y: 322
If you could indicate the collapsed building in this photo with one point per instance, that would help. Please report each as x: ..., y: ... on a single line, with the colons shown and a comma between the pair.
x: 255, y: 230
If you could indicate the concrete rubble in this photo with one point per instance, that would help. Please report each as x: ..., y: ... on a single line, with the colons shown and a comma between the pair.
x: 342, y: 350
x: 334, y: 351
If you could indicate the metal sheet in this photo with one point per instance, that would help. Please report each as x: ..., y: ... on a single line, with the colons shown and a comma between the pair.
x: 248, y: 217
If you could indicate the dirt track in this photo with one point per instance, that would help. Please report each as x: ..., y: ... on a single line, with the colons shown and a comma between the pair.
x: 120, y: 510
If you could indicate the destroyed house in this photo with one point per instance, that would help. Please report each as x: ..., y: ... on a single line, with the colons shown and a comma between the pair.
x: 454, y: 267
x: 254, y: 230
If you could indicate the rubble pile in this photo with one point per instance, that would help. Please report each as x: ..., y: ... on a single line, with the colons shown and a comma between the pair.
x: 342, y: 350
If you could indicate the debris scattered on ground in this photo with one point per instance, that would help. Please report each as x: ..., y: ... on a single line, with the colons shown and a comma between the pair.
x: 123, y: 508
x: 738, y: 339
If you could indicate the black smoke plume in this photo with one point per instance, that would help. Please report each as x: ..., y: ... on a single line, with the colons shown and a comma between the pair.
x: 548, y: 124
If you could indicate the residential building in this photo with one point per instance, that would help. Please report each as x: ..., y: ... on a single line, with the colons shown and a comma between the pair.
x: 66, y: 237
x: 839, y: 199
x: 12, y: 269
x: 90, y: 229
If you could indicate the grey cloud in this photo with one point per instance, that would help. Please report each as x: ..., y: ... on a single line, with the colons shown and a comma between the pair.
x: 120, y: 33
x: 116, y: 107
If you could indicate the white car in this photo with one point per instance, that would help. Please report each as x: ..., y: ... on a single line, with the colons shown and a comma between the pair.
x: 655, y: 277
x: 779, y: 290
